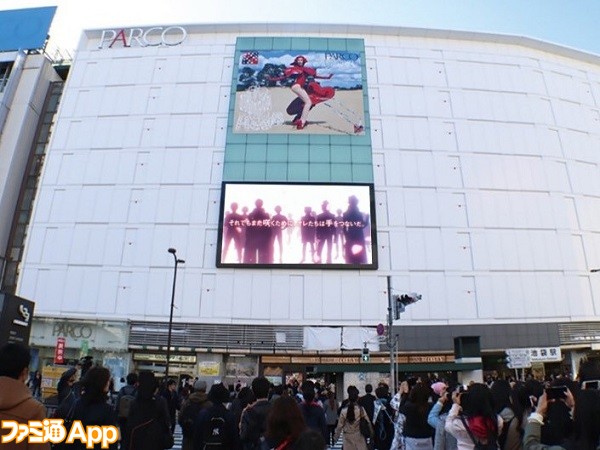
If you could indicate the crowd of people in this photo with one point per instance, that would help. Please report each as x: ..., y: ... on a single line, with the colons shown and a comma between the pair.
x: 423, y: 414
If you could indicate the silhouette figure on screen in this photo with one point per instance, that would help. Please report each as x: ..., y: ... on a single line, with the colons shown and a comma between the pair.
x: 280, y: 223
x: 258, y: 236
x: 233, y: 231
x: 355, y: 250
x: 325, y: 232
x: 338, y: 237
x: 308, y: 233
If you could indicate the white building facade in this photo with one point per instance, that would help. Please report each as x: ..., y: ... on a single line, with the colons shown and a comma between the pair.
x: 485, y: 166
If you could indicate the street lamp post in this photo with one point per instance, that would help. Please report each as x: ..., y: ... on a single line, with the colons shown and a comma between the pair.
x: 177, y: 262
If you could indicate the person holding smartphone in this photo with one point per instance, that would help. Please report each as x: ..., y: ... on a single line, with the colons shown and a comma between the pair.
x: 472, y: 418
x: 437, y: 417
x: 559, y: 420
x: 586, y: 423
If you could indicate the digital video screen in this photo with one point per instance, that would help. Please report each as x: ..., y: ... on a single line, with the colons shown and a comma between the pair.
x: 297, y: 225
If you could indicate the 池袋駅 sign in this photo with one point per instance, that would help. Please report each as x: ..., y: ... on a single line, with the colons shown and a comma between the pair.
x: 140, y: 37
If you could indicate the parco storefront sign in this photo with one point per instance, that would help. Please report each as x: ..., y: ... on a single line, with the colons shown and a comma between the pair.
x: 140, y: 37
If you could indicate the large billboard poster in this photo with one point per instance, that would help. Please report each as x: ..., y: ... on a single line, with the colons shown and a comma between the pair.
x: 314, y: 92
x: 297, y: 225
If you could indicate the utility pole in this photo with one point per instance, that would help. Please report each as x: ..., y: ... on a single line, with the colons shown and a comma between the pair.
x: 391, y: 344
x: 396, y: 304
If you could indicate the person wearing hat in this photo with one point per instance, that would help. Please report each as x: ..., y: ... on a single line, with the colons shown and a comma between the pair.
x: 437, y: 417
x: 215, y: 426
x: 196, y: 402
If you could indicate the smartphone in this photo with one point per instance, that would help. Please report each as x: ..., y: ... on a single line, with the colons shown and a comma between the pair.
x: 556, y: 392
x: 592, y: 384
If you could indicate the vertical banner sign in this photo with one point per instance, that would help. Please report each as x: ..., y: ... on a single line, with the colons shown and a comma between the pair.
x: 84, y: 349
x: 59, y: 351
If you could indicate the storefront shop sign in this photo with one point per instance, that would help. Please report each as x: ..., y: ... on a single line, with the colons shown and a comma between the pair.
x: 275, y: 359
x: 411, y: 359
x: 138, y: 37
x: 162, y: 357
x: 340, y: 360
x: 100, y: 335
x: 306, y: 360
x: 421, y: 359
x: 59, y: 351
x: 209, y: 369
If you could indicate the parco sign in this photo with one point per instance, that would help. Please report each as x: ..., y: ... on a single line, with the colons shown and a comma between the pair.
x: 150, y: 37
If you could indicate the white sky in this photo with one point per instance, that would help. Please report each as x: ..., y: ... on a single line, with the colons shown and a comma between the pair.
x: 572, y: 24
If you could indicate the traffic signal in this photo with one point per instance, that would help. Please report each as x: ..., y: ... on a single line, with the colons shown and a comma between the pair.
x: 401, y: 301
x: 365, y: 357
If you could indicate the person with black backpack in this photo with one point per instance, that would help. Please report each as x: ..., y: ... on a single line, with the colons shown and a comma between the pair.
x: 215, y: 427
x: 196, y: 402
x: 125, y: 398
x: 148, y: 423
x: 253, y: 423
x: 507, y: 407
x: 383, y: 419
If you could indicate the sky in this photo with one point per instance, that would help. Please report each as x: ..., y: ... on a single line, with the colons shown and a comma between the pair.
x: 571, y: 23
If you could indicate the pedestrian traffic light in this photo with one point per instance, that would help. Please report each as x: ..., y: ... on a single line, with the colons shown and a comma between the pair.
x: 365, y: 357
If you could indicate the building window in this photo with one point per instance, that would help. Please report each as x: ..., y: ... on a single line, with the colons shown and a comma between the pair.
x: 5, y: 68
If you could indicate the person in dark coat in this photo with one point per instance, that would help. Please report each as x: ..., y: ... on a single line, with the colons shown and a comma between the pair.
x: 244, y: 397
x: 148, y: 424
x: 196, y: 402
x: 126, y: 392
x: 314, y: 414
x: 169, y: 393
x: 367, y: 401
x: 65, y: 386
x: 92, y: 407
x: 253, y: 423
x: 217, y: 415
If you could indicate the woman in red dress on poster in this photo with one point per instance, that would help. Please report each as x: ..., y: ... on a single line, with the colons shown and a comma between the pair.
x: 308, y: 91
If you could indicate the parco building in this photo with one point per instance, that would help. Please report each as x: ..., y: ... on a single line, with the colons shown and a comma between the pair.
x: 298, y: 168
